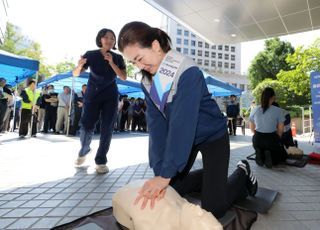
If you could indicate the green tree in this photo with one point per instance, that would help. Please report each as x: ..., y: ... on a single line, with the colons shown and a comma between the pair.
x: 65, y: 66
x: 15, y: 42
x: 269, y: 62
x: 297, y: 80
x: 131, y: 70
x: 279, y: 89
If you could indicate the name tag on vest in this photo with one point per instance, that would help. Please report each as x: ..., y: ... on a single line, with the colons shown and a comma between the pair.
x: 162, y: 81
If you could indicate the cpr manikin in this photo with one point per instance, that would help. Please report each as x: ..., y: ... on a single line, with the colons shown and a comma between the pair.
x: 170, y: 213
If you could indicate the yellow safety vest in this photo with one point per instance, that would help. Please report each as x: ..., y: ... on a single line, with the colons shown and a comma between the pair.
x: 33, y: 97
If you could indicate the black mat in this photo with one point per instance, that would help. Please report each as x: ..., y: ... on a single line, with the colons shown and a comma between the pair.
x: 235, y: 219
x: 261, y: 202
x: 297, y: 162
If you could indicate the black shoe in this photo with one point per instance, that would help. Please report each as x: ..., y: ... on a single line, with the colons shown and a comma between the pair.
x: 268, y: 159
x: 251, y: 183
x: 259, y: 160
x: 34, y: 135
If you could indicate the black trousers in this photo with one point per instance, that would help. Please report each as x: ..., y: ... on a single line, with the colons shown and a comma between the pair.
x: 232, y: 125
x: 3, y: 109
x: 25, y: 121
x: 123, y: 120
x: 50, y: 119
x: 271, y: 142
x: 218, y: 192
x: 76, y: 119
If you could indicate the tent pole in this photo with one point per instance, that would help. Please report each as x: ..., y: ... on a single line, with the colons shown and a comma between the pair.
x: 70, y: 105
x: 14, y: 106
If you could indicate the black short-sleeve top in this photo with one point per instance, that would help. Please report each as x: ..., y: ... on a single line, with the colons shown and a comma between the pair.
x: 102, y: 75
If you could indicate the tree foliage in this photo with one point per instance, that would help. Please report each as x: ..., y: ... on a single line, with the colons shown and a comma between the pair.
x: 269, y: 62
x: 304, y: 60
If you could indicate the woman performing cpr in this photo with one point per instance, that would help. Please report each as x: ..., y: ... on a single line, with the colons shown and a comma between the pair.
x: 183, y: 119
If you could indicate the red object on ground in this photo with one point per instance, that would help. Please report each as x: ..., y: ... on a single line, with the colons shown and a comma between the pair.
x: 314, y: 158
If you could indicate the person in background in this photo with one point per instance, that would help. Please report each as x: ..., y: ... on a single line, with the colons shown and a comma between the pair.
x: 50, y: 118
x: 124, y: 114
x: 267, y: 124
x: 101, y: 98
x: 5, y: 95
x: 63, y: 110
x: 78, y: 105
x: 30, y: 104
x: 130, y: 113
x: 233, y: 110
x: 42, y: 109
x: 178, y: 123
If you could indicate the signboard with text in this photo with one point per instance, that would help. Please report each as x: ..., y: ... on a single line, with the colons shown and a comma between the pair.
x: 315, y: 97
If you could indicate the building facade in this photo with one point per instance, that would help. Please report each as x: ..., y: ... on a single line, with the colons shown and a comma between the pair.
x: 221, y: 60
x: 3, y: 18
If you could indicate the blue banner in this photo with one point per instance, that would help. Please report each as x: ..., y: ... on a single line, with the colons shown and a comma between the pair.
x: 315, y: 97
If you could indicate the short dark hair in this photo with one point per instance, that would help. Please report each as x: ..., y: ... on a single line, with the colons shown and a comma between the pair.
x: 30, y: 82
x: 84, y: 85
x: 101, y: 34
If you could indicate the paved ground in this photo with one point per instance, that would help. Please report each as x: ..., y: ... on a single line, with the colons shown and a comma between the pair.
x: 40, y: 188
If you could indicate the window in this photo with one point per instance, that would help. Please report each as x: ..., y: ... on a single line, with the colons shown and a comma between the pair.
x: 186, y: 33
x: 220, y: 55
x: 233, y: 49
x: 213, y: 63
x: 220, y: 47
x: 178, y: 49
x: 206, y: 45
x: 233, y: 66
x: 213, y: 47
x: 193, y: 52
x: 179, y: 41
x: 226, y: 48
x: 226, y: 56
x: 193, y: 43
x: 213, y: 54
x: 185, y: 51
x: 200, y: 53
x: 199, y: 44
x: 242, y: 87
x: 186, y: 42
x: 233, y: 57
x: 199, y: 62
x: 206, y: 62
x: 206, y: 53
x: 234, y: 84
x: 219, y: 64
x: 226, y: 65
x: 179, y: 31
x: 194, y: 59
x: 193, y: 35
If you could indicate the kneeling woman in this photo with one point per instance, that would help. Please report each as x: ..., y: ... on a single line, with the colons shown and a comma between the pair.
x: 182, y: 119
x: 266, y: 122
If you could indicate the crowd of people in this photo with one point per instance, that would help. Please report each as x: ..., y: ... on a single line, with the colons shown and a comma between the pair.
x: 49, y: 111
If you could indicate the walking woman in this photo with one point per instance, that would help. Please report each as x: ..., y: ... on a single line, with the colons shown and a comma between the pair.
x: 101, y: 97
x: 182, y: 120
x: 267, y: 124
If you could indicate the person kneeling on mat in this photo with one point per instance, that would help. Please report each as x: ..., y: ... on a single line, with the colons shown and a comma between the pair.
x: 182, y: 119
x: 266, y: 122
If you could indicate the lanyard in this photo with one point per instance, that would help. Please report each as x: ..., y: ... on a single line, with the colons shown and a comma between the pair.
x: 162, y: 81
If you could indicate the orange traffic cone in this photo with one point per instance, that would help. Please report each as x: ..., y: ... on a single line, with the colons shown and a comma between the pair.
x: 293, y: 129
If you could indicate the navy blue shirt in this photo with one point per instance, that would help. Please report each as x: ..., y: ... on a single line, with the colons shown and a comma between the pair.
x: 192, y: 118
x: 102, y: 76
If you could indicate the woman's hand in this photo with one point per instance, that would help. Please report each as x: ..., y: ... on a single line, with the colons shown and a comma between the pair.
x: 108, y: 57
x: 152, y: 190
x: 78, y: 69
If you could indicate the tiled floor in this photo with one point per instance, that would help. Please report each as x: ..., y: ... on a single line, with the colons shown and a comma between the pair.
x: 40, y: 188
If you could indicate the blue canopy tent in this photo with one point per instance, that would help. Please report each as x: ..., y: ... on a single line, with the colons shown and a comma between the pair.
x: 219, y: 88
x: 16, y: 68
x: 129, y: 87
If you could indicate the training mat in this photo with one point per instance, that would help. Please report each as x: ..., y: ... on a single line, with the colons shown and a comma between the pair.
x: 298, y: 162
x: 239, y: 219
x: 261, y: 202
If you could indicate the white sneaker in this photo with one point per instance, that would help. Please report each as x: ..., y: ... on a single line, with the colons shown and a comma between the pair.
x: 102, y: 169
x: 80, y: 161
